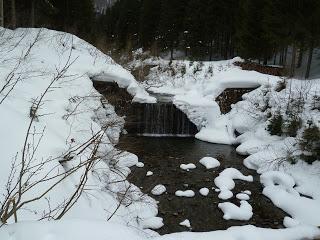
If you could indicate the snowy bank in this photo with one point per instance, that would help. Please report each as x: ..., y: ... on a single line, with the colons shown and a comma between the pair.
x: 56, y: 132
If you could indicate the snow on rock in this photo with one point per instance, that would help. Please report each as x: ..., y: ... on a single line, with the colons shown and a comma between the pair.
x: 248, y: 192
x: 279, y: 188
x: 186, y: 223
x: 152, y: 223
x: 204, y: 191
x: 149, y: 173
x: 158, y: 190
x: 140, y: 164
x: 242, y: 196
x: 209, y: 162
x: 187, y: 193
x: 225, y: 181
x: 188, y: 166
x: 232, y: 211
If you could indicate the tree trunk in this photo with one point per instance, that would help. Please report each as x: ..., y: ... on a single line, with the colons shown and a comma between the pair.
x: 293, y: 61
x: 311, y: 46
x: 1, y: 14
x: 13, y: 14
x: 211, y: 50
x: 33, y: 12
x: 300, y: 57
x: 285, y: 57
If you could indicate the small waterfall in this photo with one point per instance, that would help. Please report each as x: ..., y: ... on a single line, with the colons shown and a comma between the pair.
x: 159, y: 119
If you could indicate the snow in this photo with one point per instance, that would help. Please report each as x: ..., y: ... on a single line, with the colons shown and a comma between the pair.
x: 149, y: 173
x: 232, y: 211
x: 158, y: 190
x: 188, y: 166
x: 209, y: 162
x: 79, y: 229
x: 185, y: 223
x: 152, y: 223
x: 248, y: 233
x: 242, y: 196
x: 71, y: 113
x: 204, y: 191
x: 225, y: 181
x: 279, y: 187
x: 187, y: 193
x: 140, y: 164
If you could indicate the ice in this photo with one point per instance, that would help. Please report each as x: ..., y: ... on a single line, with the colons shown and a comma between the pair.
x: 187, y: 193
x: 232, y: 211
x: 225, y: 181
x: 188, y: 166
x: 185, y: 223
x: 158, y: 190
x: 209, y: 162
x: 204, y: 191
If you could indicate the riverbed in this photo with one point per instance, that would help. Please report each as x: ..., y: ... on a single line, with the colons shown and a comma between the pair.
x: 163, y: 156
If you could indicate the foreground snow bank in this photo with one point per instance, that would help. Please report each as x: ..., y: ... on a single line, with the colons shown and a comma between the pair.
x: 93, y: 230
x: 55, y: 67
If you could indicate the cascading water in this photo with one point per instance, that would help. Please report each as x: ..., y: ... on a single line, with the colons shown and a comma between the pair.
x: 160, y: 119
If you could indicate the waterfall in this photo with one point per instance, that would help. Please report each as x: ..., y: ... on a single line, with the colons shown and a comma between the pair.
x: 159, y: 119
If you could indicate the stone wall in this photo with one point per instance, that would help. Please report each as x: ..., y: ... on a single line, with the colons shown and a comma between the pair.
x: 231, y: 96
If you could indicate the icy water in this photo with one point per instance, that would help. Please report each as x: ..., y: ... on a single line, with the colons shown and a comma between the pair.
x: 163, y: 157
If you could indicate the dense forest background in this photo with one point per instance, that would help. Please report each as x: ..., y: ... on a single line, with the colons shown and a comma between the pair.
x: 261, y: 30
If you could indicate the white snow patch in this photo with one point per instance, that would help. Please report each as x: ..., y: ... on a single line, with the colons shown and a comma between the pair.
x: 204, y: 191
x: 242, y: 196
x: 209, y: 162
x: 140, y: 164
x: 158, y: 190
x: 149, y: 173
x: 232, y: 211
x: 225, y: 181
x: 187, y: 193
x: 152, y: 223
x: 188, y: 166
x: 185, y: 223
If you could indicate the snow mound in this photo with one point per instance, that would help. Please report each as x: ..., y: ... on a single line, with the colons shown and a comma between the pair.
x: 242, y: 196
x: 209, y: 162
x: 149, y: 173
x: 187, y: 193
x: 152, y: 223
x: 188, y: 166
x: 279, y: 188
x: 225, y: 181
x: 232, y: 211
x: 204, y: 191
x: 158, y: 190
x: 185, y: 223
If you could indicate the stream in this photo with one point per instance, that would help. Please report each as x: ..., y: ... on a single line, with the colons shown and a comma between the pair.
x: 163, y: 157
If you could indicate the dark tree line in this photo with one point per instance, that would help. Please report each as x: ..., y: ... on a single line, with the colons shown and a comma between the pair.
x: 265, y: 30
x: 75, y: 16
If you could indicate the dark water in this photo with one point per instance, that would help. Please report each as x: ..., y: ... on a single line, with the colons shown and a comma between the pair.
x: 163, y: 157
